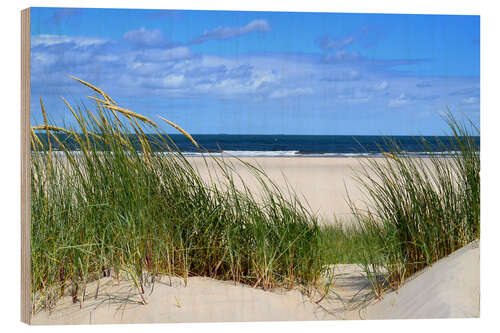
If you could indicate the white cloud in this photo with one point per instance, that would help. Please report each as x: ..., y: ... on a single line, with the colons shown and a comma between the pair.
x: 144, y: 36
x: 381, y: 86
x: 263, y: 78
x: 107, y: 58
x: 229, y: 32
x: 280, y: 93
x: 354, y: 96
x: 50, y: 40
x: 155, y: 55
x: 399, y: 101
x: 256, y: 25
x: 342, y: 75
x: 327, y: 42
x: 173, y: 81
x: 470, y: 100
x: 42, y: 58
x: 342, y: 55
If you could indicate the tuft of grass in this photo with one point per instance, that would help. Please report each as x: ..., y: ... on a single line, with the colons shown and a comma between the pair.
x: 422, y: 208
x: 112, y: 205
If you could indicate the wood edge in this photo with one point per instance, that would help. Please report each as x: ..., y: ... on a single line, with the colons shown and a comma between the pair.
x: 26, y: 311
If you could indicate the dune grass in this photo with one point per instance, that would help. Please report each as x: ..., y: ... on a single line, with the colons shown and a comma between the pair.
x: 115, y: 205
x: 422, y: 208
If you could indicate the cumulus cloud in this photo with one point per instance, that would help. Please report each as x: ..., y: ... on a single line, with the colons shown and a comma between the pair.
x: 170, y: 72
x: 173, y: 81
x: 144, y: 37
x: 230, y: 32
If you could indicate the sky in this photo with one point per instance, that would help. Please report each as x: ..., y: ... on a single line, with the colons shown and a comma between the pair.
x: 229, y: 72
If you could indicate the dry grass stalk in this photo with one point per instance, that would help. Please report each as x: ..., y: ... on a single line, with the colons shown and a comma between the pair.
x: 99, y: 91
x: 177, y: 127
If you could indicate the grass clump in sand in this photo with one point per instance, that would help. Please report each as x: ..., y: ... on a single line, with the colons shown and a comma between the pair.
x: 109, y: 196
x: 103, y: 202
x: 422, y: 208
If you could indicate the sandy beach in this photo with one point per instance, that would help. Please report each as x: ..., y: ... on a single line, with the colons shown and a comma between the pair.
x: 321, y: 183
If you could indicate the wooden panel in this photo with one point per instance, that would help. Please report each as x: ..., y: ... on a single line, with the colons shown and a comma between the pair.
x: 25, y: 169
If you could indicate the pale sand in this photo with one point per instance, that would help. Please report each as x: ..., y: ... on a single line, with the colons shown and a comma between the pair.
x: 448, y: 289
x: 209, y: 300
x: 320, y: 182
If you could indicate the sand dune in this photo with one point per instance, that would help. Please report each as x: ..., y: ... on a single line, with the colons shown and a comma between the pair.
x: 202, y: 300
x: 448, y: 289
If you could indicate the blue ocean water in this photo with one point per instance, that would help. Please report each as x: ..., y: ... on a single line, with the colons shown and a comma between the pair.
x: 297, y: 145
x: 314, y: 145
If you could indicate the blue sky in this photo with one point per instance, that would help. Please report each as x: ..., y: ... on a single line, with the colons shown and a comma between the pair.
x: 262, y: 72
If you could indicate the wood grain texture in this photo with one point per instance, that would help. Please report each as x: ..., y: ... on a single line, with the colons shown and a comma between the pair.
x: 25, y: 169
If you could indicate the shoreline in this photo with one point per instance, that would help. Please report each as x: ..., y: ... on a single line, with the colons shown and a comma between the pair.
x: 271, y: 154
x: 321, y: 184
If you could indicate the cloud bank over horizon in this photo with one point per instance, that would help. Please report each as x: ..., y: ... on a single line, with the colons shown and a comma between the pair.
x: 337, y: 80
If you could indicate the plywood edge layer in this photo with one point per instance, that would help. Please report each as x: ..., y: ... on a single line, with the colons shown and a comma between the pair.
x: 25, y: 169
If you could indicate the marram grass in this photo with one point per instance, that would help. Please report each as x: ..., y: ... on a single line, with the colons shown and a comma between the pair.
x: 117, y: 206
x: 111, y: 207
x: 422, y: 208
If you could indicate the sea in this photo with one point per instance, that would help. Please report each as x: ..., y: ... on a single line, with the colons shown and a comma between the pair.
x: 300, y: 145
